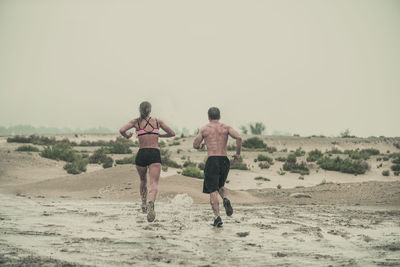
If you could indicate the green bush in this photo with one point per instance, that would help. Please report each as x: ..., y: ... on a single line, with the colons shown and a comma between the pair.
x: 395, y: 167
x: 34, y: 139
x: 120, y: 146
x: 343, y: 165
x: 59, y: 151
x: 291, y: 158
x: 254, y: 142
x: 257, y: 128
x: 99, y: 156
x: 385, y: 173
x: 396, y: 173
x: 271, y: 149
x: 175, y: 143
x: 334, y: 151
x: 314, y: 155
x: 262, y: 157
x: 166, y: 159
x: 397, y: 145
x: 108, y: 162
x: 296, y: 167
x: 260, y: 178
x: 193, y: 171
x: 77, y: 166
x: 264, y: 165
x: 201, y: 165
x: 299, y: 152
x: 362, y: 154
x: 240, y: 165
x: 126, y: 160
x: 281, y: 159
x: 27, y: 148
x: 188, y: 163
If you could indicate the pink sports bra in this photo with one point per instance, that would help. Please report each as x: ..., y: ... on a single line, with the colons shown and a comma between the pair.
x: 143, y: 131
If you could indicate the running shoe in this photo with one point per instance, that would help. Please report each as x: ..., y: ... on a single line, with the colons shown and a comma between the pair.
x: 217, y: 222
x: 228, y: 207
x: 151, y: 214
x: 144, y: 208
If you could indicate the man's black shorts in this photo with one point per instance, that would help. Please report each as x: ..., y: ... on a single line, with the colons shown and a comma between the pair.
x: 215, y: 173
x: 147, y: 156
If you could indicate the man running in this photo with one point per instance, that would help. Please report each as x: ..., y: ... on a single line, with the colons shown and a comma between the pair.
x: 215, y: 135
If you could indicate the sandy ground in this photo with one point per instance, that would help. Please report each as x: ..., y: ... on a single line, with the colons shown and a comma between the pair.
x: 51, y: 218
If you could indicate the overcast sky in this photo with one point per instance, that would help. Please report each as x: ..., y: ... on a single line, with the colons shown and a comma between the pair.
x: 306, y: 67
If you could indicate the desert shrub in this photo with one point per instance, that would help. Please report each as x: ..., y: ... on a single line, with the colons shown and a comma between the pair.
x: 93, y: 143
x: 296, y: 167
x: 260, y: 178
x: 385, y: 158
x: 166, y: 159
x: 343, y: 165
x: 397, y: 145
x: 396, y: 160
x: 107, y: 162
x: 396, y: 173
x: 231, y: 147
x: 77, y: 166
x: 271, y: 149
x: 284, y: 150
x: 175, y: 143
x: 257, y: 128
x: 193, y: 171
x: 201, y: 165
x: 120, y: 146
x: 301, y: 177
x: 362, y: 154
x: 314, y: 155
x: 278, y: 186
x: 385, y: 173
x: 27, y: 148
x: 334, y: 151
x: 291, y: 158
x: 99, y: 156
x: 299, y: 152
x: 59, y: 151
x: 126, y: 160
x: 346, y: 134
x: 188, y: 163
x: 254, y: 142
x: 264, y: 165
x: 262, y: 157
x: 34, y: 139
x: 240, y: 165
x: 395, y: 167
x: 281, y: 159
x: 161, y: 144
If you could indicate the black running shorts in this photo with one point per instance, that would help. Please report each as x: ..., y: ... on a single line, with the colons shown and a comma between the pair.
x: 215, y: 173
x: 147, y: 156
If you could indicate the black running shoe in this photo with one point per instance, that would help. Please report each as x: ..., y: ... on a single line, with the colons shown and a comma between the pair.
x: 151, y: 214
x: 217, y: 222
x: 228, y: 207
x: 144, y: 208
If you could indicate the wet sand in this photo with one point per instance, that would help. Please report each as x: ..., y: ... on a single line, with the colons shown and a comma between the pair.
x: 41, y: 231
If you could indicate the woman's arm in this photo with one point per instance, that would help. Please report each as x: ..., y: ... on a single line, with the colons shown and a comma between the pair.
x: 169, y: 131
x: 127, y: 127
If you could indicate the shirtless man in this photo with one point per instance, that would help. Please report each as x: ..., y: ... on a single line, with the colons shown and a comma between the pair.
x: 215, y: 136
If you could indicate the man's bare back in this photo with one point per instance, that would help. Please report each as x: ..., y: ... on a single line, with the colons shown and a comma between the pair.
x: 215, y: 135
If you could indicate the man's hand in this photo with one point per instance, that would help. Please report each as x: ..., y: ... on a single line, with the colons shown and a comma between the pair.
x: 235, y: 159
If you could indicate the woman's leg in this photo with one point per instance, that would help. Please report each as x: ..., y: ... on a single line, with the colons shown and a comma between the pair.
x: 143, y: 183
x: 154, y: 173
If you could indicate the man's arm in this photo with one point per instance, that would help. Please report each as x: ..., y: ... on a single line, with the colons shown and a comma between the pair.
x: 127, y: 127
x: 235, y: 135
x: 169, y: 131
x: 197, y: 141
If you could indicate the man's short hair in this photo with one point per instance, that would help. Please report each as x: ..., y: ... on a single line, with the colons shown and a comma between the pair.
x: 213, y: 113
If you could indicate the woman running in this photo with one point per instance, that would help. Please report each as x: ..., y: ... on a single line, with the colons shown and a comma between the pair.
x: 148, y: 156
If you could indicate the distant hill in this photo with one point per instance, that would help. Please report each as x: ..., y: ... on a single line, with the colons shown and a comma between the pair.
x: 29, y: 129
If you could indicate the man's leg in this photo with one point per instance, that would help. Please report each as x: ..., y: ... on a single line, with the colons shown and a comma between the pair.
x: 222, y: 192
x: 143, y: 185
x: 214, y: 203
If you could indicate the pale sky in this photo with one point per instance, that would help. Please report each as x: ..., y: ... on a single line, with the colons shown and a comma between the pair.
x: 305, y: 67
